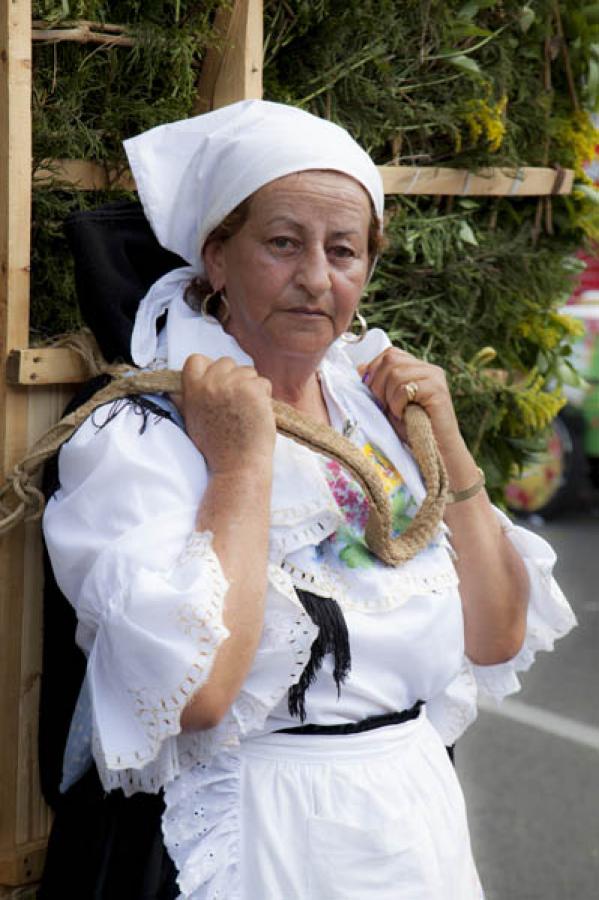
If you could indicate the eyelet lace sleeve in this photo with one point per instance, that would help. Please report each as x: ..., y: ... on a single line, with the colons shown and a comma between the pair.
x: 549, y: 617
x: 147, y: 589
x: 549, y: 614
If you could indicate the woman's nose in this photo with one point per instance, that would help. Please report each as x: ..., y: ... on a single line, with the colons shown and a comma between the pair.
x: 313, y: 271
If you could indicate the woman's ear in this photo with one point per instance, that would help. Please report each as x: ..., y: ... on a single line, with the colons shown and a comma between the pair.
x: 213, y: 255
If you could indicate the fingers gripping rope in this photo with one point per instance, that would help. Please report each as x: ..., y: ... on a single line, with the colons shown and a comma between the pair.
x: 322, y: 439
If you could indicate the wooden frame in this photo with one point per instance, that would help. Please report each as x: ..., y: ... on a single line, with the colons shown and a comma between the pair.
x: 233, y: 74
x: 407, y: 180
x: 23, y: 816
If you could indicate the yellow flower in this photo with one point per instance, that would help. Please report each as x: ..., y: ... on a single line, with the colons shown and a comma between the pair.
x: 570, y: 326
x: 578, y: 135
x: 486, y: 122
x: 535, y: 407
x: 549, y: 330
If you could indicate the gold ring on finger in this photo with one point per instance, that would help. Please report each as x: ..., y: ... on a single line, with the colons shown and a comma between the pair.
x: 411, y: 389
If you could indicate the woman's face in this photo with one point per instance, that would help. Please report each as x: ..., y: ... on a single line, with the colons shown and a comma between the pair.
x: 294, y: 272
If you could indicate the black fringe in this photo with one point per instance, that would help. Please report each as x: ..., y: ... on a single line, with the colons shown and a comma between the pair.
x: 332, y: 638
x: 141, y: 405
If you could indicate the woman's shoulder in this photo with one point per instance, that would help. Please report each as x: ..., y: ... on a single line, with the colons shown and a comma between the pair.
x: 124, y: 439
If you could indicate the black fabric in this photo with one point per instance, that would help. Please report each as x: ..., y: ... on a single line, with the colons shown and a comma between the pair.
x: 63, y: 663
x: 332, y: 638
x: 107, y: 847
x: 117, y: 259
x: 368, y: 724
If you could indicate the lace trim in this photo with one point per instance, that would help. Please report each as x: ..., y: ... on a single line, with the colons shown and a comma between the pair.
x: 291, y: 632
x: 201, y: 819
x: 159, y: 714
x: 399, y: 586
x: 286, y: 540
x: 546, y: 624
x: 292, y: 515
x: 201, y: 829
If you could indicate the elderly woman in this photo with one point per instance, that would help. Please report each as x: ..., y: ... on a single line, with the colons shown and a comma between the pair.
x: 287, y: 693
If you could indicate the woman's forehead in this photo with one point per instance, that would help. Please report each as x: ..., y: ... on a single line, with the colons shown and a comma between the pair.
x: 324, y: 190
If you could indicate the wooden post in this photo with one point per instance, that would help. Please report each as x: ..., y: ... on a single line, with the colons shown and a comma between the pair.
x: 235, y: 71
x: 23, y: 815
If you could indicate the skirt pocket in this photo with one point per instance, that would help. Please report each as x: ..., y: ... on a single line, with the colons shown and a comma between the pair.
x: 348, y: 862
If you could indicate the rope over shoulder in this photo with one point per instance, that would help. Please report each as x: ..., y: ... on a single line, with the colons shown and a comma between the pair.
x: 292, y: 424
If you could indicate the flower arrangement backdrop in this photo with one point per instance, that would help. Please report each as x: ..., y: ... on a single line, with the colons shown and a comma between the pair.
x: 473, y: 284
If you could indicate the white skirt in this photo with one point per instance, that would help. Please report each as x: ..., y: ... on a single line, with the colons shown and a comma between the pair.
x: 373, y: 816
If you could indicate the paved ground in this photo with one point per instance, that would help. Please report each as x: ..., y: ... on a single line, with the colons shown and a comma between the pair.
x: 530, y: 771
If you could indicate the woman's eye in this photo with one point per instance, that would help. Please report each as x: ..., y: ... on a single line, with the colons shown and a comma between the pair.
x: 282, y: 243
x: 343, y: 252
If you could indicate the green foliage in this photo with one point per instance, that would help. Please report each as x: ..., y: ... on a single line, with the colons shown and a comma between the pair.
x: 434, y: 82
x: 469, y: 85
x: 86, y: 100
x: 454, y: 281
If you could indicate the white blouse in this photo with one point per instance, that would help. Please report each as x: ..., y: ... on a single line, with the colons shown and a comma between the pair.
x: 149, y: 591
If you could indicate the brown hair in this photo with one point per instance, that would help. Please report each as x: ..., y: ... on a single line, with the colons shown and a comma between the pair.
x: 199, y: 288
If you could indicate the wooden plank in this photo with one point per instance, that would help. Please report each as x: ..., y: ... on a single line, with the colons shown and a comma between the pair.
x: 436, y: 180
x: 83, y: 175
x: 23, y: 866
x: 233, y: 71
x: 82, y: 32
x: 46, y: 406
x: 23, y: 818
x: 45, y: 365
x: 526, y: 181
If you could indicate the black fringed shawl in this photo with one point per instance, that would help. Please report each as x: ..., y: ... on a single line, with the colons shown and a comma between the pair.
x: 332, y: 638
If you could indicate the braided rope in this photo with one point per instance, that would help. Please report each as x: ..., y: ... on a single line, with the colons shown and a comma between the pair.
x: 290, y: 423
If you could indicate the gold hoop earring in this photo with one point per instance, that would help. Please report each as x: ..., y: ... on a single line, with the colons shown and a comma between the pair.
x: 226, y: 309
x: 222, y: 301
x: 349, y: 337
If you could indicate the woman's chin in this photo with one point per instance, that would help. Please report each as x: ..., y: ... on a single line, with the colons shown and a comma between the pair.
x: 297, y: 344
x: 302, y: 338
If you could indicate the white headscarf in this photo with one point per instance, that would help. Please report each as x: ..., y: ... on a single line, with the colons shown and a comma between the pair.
x: 191, y: 174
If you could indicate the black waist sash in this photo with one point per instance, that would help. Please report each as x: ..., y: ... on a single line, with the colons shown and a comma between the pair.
x: 368, y: 724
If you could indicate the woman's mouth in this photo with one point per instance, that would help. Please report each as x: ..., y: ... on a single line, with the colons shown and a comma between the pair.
x: 307, y: 311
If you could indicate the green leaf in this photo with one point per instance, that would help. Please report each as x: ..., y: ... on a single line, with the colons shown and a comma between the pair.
x: 568, y: 375
x: 466, y: 234
x: 589, y: 192
x: 473, y: 7
x: 465, y: 63
x: 592, y: 85
x: 526, y: 18
x: 469, y: 10
x: 463, y: 30
x: 591, y: 13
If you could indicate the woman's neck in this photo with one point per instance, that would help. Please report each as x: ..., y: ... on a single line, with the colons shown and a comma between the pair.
x: 293, y: 376
x: 297, y: 385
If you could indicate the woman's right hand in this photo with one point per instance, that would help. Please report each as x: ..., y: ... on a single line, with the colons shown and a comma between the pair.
x: 228, y: 413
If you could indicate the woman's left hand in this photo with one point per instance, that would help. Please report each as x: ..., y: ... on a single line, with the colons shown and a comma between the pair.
x: 397, y: 378
x: 493, y: 579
